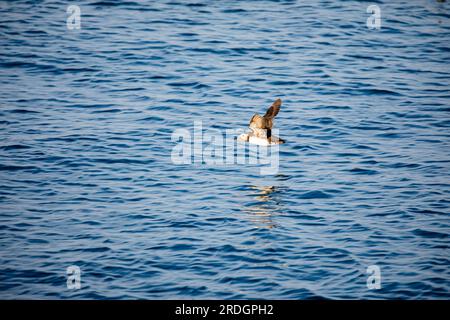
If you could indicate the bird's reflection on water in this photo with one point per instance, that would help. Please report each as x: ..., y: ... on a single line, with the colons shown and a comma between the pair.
x: 266, y: 203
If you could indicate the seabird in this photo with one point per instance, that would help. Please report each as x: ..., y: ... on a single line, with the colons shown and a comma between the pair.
x: 261, y: 127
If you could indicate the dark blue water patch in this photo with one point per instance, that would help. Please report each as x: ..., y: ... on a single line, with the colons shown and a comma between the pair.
x: 282, y: 83
x: 4, y: 167
x: 425, y: 211
x: 107, y: 111
x: 304, y: 148
x: 402, y: 165
x: 89, y: 250
x: 303, y: 216
x: 363, y: 147
x: 219, y: 52
x: 79, y: 70
x: 181, y: 247
x: 347, y: 154
x: 336, y: 253
x: 24, y: 111
x: 196, y: 5
x: 34, y: 67
x: 122, y: 160
x: 247, y: 50
x: 365, y: 57
x: 399, y: 213
x: 430, y: 234
x: 333, y: 108
x: 316, y: 194
x: 14, y: 147
x: 38, y: 241
x: 69, y: 138
x: 128, y: 89
x: 324, y: 120
x: 391, y: 135
x: 414, y: 115
x: 376, y: 92
x: 369, y: 162
x: 187, y: 34
x: 162, y: 77
x: 16, y: 64
x: 234, y: 10
x: 184, y: 84
x: 372, y: 127
x: 363, y: 171
x: 27, y: 275
x: 442, y: 124
x: 152, y: 119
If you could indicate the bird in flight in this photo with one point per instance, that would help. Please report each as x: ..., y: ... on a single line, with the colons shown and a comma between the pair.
x: 261, y: 127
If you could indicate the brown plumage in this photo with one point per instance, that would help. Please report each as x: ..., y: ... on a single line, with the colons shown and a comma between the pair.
x: 266, y: 122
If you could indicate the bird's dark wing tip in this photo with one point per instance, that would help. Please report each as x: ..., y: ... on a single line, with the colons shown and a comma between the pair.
x: 277, y: 103
x: 273, y: 109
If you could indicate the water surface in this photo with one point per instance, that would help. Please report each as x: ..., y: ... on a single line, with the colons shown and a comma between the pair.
x: 86, y: 118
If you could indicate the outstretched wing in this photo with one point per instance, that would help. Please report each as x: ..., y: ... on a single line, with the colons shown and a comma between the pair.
x: 257, y: 122
x: 273, y: 110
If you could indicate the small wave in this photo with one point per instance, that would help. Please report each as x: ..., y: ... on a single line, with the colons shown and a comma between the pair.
x: 14, y: 147
x: 430, y: 234
x: 363, y: 171
x: 316, y: 194
x: 377, y: 92
x: 24, y: 111
x: 4, y: 167
x: 236, y: 10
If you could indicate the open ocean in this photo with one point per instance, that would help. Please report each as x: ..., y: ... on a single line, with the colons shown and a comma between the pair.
x: 86, y: 176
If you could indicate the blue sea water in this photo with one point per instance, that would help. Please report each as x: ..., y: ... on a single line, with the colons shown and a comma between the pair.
x: 86, y: 177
